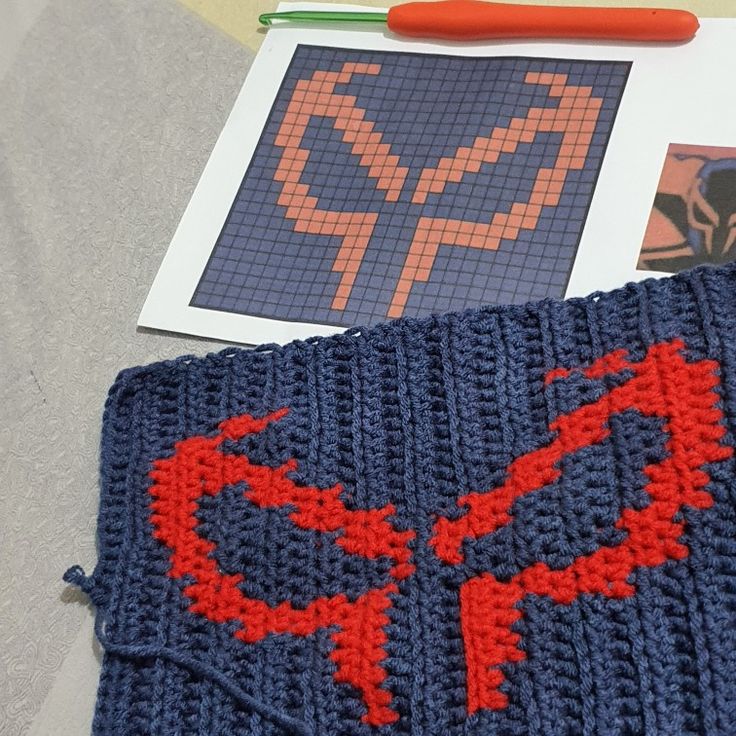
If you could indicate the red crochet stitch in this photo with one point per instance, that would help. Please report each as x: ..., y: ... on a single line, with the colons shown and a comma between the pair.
x: 662, y: 385
x: 199, y: 467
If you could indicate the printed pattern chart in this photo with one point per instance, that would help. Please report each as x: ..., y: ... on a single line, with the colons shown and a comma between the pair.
x: 389, y: 184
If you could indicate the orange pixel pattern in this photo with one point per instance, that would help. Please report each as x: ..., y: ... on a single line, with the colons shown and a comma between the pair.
x: 316, y: 96
x: 387, y: 184
x: 575, y: 118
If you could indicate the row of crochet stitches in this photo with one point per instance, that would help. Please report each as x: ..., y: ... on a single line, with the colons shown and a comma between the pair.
x: 510, y: 521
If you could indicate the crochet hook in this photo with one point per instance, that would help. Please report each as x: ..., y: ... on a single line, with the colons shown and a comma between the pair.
x: 473, y: 20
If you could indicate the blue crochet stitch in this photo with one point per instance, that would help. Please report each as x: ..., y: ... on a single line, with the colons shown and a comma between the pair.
x: 509, y: 521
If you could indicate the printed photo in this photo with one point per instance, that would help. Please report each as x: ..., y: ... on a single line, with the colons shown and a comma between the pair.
x: 693, y: 220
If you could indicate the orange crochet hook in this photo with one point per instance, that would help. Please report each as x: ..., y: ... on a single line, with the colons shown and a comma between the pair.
x: 473, y: 20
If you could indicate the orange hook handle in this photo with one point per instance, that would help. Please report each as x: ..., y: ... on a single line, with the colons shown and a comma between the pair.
x: 468, y: 20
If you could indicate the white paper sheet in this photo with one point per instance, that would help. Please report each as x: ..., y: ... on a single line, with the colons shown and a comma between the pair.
x: 675, y: 93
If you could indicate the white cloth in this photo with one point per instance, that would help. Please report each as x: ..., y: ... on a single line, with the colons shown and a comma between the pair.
x: 108, y: 112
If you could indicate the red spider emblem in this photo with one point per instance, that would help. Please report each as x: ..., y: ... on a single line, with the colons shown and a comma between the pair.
x: 662, y: 385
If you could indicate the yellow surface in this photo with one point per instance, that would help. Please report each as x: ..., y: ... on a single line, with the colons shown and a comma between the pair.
x: 239, y: 18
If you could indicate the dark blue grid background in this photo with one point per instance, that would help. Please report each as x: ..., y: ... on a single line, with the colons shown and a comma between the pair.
x: 426, y: 106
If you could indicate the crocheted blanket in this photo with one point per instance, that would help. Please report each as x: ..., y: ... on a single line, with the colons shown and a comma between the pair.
x: 516, y: 520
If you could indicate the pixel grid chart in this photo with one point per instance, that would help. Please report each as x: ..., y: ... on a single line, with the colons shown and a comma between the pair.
x: 389, y: 183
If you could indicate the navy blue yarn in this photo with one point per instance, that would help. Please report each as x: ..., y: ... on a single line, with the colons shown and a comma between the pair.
x: 418, y: 413
x: 157, y: 650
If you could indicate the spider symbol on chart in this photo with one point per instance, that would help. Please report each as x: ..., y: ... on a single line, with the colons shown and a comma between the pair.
x: 575, y: 118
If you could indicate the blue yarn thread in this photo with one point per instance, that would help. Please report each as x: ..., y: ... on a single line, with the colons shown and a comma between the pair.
x: 75, y: 576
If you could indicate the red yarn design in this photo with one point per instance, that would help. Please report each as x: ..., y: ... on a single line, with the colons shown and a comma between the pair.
x: 199, y: 467
x: 663, y: 385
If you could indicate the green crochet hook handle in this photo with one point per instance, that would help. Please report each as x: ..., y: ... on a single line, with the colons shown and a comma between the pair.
x: 320, y: 16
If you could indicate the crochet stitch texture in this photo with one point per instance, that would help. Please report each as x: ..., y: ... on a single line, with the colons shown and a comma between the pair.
x: 509, y: 521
